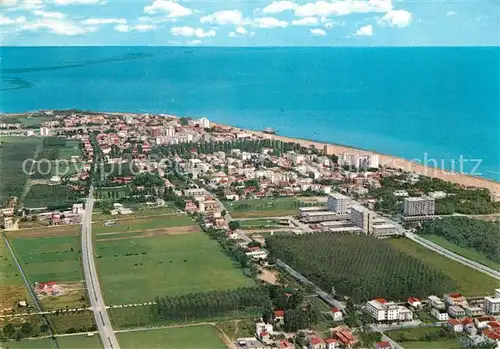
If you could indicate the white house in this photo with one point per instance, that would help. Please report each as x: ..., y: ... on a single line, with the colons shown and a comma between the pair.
x: 455, y: 325
x: 441, y: 316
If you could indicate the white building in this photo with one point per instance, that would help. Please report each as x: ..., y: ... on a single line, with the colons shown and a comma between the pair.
x: 204, y: 123
x: 356, y: 160
x: 419, y: 206
x: 44, y: 131
x: 456, y: 311
x: 338, y: 203
x: 492, y: 304
x: 441, y: 316
x: 362, y: 218
x: 382, y: 310
x: 77, y: 208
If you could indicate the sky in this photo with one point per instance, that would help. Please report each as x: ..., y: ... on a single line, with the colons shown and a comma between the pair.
x: 250, y: 22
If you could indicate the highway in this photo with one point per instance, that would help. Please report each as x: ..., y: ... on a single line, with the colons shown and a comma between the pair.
x: 98, y: 306
x: 442, y: 251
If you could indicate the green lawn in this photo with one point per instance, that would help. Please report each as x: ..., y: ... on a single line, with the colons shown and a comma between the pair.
x: 137, y: 270
x: 469, y: 281
x: 123, y: 225
x: 49, y: 259
x: 442, y: 344
x: 260, y: 224
x: 263, y: 207
x: 80, y: 342
x: 465, y: 252
x: 42, y: 343
x: 194, y: 337
x: 72, y: 323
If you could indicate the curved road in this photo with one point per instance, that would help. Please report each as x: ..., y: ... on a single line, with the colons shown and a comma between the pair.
x: 436, y: 248
x: 98, y: 306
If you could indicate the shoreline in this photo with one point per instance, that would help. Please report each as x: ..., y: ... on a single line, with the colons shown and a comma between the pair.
x: 389, y: 161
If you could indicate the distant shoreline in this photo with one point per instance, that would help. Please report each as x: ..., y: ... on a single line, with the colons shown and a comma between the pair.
x: 389, y: 161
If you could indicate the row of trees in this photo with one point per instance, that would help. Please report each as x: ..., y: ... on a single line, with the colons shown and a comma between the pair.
x: 209, y: 304
x: 362, y: 267
x: 479, y: 235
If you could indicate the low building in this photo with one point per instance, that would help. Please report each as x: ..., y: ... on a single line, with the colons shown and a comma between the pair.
x: 337, y: 314
x: 414, y: 302
x: 332, y: 343
x: 439, y: 314
x: 317, y: 343
x: 474, y: 311
x: 455, y: 325
x: 492, y: 305
x: 279, y: 315
x: 456, y: 299
x: 322, y: 216
x: 456, y: 311
x: 256, y: 255
x: 436, y: 302
x: 263, y: 327
x: 405, y: 314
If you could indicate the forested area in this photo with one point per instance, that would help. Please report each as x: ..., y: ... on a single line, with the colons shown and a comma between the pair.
x: 466, y: 232
x: 209, y: 304
x: 361, y: 267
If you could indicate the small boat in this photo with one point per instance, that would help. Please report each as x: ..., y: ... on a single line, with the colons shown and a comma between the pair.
x: 270, y: 131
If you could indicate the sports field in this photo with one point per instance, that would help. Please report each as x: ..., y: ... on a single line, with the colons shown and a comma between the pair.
x: 468, y: 253
x: 139, y: 269
x: 469, y: 281
x: 273, y: 207
x: 49, y: 258
x: 193, y: 337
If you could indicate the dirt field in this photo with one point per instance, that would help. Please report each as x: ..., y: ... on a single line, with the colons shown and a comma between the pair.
x: 62, y: 230
x: 269, y: 276
x: 10, y: 295
x: 146, y: 233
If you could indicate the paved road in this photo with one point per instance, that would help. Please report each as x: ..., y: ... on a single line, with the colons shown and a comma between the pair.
x: 321, y: 294
x: 442, y: 251
x: 98, y: 306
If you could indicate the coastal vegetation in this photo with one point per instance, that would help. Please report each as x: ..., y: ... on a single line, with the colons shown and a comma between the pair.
x: 482, y: 236
x: 361, y: 267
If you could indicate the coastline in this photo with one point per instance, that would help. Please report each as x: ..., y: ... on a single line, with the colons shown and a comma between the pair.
x: 384, y: 159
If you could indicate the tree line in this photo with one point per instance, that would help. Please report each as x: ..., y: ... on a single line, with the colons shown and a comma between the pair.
x: 361, y: 267
x: 208, y: 304
x: 465, y: 232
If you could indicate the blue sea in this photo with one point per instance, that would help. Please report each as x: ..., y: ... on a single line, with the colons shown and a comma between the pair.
x: 417, y: 103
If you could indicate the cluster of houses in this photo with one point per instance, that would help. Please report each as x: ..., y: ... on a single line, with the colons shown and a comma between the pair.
x: 266, y: 335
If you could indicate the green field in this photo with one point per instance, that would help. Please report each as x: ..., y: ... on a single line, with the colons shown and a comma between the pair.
x: 193, y: 337
x: 130, y: 224
x: 414, y: 338
x: 55, y: 148
x: 469, y: 281
x: 80, y: 342
x: 71, y: 342
x: 43, y: 195
x: 263, y: 207
x: 112, y: 193
x: 13, y: 151
x: 260, y: 224
x: 73, y: 322
x: 137, y: 270
x: 132, y: 317
x: 49, y: 259
x: 468, y: 253
x: 139, y: 211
